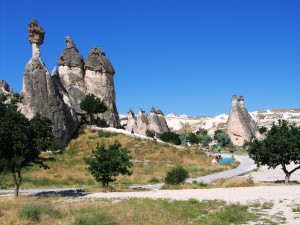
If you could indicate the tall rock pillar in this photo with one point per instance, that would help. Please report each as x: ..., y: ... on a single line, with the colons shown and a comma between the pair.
x: 71, y: 73
x: 99, y: 80
x: 40, y: 93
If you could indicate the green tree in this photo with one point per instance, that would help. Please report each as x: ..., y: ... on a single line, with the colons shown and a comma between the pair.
x: 170, y: 137
x: 106, y: 164
x: 222, y: 138
x: 280, y: 147
x: 21, y: 140
x: 206, y: 139
x: 192, y: 138
x: 92, y: 105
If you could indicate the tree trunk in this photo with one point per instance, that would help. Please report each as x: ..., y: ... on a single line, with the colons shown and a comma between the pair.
x: 17, y: 182
x: 287, y: 178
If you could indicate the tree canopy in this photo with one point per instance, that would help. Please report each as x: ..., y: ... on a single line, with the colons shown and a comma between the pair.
x: 21, y: 139
x: 106, y: 164
x: 92, y: 105
x: 281, y: 147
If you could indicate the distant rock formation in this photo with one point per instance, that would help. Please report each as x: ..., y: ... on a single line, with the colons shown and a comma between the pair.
x: 142, y: 123
x: 5, y: 88
x: 131, y: 122
x: 99, y: 80
x: 240, y: 126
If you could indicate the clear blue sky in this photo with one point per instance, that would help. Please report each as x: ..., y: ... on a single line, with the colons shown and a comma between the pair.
x: 185, y: 57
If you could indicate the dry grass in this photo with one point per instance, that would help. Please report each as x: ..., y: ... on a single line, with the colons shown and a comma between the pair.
x: 151, y: 161
x: 233, y: 182
x: 55, y: 210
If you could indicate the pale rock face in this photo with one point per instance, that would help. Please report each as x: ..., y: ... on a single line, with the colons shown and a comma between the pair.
x: 142, y: 123
x: 162, y: 121
x: 5, y: 88
x: 240, y: 125
x: 72, y: 80
x: 154, y: 123
x: 42, y: 96
x: 99, y: 80
x: 131, y: 122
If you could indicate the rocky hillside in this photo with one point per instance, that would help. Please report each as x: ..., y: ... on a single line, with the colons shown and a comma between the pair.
x: 261, y: 118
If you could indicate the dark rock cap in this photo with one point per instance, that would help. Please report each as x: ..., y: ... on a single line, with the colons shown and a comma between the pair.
x: 153, y: 110
x: 97, y: 61
x: 159, y: 112
x: 70, y: 56
x: 35, y: 32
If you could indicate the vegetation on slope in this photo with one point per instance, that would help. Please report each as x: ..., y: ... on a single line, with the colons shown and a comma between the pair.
x: 151, y: 162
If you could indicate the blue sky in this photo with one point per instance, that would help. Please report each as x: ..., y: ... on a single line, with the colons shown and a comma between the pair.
x: 185, y: 57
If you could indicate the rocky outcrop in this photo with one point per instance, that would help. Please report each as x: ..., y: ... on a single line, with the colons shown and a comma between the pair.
x: 131, y: 122
x: 142, y: 122
x: 99, y: 80
x: 240, y: 126
x: 155, y: 122
x: 162, y: 121
x: 71, y: 73
x: 5, y: 88
x: 41, y: 95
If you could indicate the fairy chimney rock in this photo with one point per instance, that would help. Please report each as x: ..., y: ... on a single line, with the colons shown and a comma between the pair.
x: 99, y: 80
x: 131, y: 121
x: 36, y: 37
x: 142, y: 122
x: 162, y: 121
x: 240, y: 125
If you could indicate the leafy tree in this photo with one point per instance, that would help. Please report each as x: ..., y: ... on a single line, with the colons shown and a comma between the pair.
x: 21, y: 140
x: 170, y: 137
x: 222, y: 138
x: 192, y: 138
x: 280, y: 147
x: 150, y: 133
x: 106, y: 164
x: 176, y: 175
x: 92, y: 105
x: 206, y: 139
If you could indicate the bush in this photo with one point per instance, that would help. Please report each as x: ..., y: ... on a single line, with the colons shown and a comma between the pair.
x: 150, y: 133
x: 177, y: 175
x: 170, y: 137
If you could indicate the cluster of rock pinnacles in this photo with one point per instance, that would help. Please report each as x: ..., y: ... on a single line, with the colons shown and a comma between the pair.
x: 140, y: 124
x: 58, y: 96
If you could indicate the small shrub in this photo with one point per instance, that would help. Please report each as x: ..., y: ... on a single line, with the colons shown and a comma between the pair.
x: 150, y: 133
x: 30, y: 212
x: 176, y: 175
x: 94, y: 219
x: 154, y: 180
x: 296, y: 209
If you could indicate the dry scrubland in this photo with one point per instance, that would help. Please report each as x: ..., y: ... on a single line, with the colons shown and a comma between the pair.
x: 55, y: 210
x: 151, y: 162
